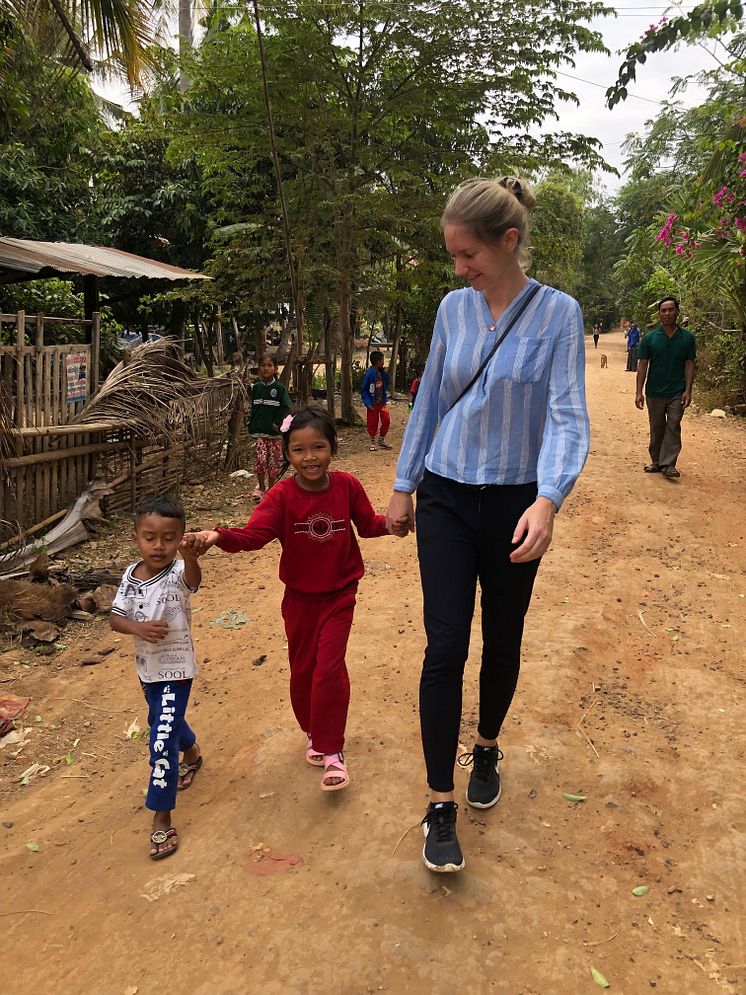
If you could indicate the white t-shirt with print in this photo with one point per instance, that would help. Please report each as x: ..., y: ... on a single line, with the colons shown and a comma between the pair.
x: 167, y: 598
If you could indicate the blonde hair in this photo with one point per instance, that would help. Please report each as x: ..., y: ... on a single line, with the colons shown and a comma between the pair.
x: 488, y: 208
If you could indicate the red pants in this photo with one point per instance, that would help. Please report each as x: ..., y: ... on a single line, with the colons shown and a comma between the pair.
x: 374, y: 413
x: 318, y: 627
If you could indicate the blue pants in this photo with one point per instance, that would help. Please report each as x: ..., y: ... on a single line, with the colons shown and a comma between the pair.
x: 169, y: 735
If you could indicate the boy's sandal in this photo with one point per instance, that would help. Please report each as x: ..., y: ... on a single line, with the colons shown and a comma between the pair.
x: 159, y: 838
x: 334, y: 766
x: 187, y: 773
x: 313, y: 757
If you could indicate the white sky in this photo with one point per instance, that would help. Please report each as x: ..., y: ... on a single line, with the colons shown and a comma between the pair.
x: 654, y: 80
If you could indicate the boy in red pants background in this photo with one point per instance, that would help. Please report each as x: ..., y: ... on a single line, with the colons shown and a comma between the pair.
x: 374, y: 395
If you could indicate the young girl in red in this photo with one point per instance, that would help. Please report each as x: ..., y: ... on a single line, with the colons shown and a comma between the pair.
x: 312, y: 515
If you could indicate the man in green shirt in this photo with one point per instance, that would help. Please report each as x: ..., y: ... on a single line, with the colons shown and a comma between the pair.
x: 667, y: 358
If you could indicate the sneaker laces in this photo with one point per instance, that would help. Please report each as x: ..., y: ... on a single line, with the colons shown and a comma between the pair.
x: 438, y: 819
x: 483, y: 761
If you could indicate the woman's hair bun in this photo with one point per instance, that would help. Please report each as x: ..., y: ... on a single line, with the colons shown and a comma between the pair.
x: 520, y: 189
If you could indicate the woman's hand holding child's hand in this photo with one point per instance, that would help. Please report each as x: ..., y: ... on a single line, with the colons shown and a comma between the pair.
x: 400, y: 528
x: 400, y: 515
x: 197, y: 543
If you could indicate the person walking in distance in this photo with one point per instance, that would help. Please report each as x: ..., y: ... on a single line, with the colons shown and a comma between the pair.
x: 493, y: 446
x: 666, y: 363
x: 374, y: 395
x: 633, y: 342
x: 596, y: 333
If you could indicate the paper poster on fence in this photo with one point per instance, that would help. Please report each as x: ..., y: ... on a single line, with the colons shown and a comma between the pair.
x: 76, y: 365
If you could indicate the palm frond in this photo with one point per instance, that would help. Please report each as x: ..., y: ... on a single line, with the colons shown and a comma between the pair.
x: 155, y: 394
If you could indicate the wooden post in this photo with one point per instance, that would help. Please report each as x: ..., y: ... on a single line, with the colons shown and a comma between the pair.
x: 91, y: 302
x: 20, y: 368
x: 42, y: 473
x: 95, y: 371
x: 20, y: 480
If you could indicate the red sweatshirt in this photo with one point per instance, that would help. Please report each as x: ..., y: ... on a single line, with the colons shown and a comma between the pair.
x: 319, y: 550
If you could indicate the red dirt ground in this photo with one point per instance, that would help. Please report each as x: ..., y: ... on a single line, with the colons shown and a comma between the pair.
x: 637, y: 628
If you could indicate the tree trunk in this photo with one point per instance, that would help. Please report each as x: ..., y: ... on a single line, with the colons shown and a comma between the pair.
x: 347, y: 410
x: 395, y: 347
x: 237, y: 355
x: 185, y: 38
x: 260, y: 342
x: 217, y: 325
x: 283, y: 345
x: 204, y: 348
x: 287, y: 370
x: 397, y: 326
x: 233, y: 452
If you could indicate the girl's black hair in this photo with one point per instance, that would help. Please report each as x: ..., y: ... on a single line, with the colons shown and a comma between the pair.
x: 163, y: 507
x: 269, y: 356
x: 312, y: 416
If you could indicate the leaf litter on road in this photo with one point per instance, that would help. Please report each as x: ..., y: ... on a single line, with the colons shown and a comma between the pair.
x: 599, y: 978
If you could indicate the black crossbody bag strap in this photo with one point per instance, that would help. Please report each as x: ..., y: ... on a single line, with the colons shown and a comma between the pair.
x: 529, y: 297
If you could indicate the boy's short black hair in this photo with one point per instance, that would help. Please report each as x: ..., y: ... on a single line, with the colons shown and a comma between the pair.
x: 312, y: 416
x: 375, y: 356
x: 163, y: 507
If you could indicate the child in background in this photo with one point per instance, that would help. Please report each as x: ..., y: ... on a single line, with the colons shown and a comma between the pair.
x: 312, y: 515
x: 270, y: 403
x: 415, y: 386
x: 153, y: 605
x: 374, y: 396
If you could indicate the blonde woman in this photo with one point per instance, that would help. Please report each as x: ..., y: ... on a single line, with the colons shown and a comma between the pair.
x: 494, y: 445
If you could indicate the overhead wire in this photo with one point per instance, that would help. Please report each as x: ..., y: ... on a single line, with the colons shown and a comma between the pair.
x: 590, y: 82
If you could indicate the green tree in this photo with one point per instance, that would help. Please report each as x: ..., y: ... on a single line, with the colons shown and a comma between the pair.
x: 557, y: 234
x: 388, y: 106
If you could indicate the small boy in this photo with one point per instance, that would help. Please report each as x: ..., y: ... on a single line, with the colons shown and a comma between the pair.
x: 374, y: 397
x: 153, y: 605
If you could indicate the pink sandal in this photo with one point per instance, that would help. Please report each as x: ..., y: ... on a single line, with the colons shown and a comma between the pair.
x: 257, y: 494
x: 334, y: 766
x: 313, y: 757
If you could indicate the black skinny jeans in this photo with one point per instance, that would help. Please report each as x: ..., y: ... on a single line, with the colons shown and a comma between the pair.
x: 464, y: 534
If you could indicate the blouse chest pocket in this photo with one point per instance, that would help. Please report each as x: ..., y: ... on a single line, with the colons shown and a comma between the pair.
x: 522, y: 358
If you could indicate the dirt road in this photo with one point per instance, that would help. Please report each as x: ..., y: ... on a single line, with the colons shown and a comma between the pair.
x: 637, y: 628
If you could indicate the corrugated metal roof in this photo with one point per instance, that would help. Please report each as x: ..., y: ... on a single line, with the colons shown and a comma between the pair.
x: 23, y: 256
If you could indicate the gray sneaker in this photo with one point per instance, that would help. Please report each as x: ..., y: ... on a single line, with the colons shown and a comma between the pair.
x: 484, y: 786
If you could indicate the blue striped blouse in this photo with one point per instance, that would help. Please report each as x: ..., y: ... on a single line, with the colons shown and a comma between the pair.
x: 524, y: 420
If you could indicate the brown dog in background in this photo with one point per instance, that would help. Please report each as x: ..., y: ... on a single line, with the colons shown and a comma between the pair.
x: 604, y: 361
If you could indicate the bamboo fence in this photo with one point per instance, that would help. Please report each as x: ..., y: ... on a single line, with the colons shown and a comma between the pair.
x: 47, y: 460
